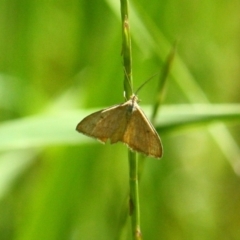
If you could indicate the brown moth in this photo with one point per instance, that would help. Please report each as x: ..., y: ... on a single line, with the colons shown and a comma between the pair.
x: 125, y: 123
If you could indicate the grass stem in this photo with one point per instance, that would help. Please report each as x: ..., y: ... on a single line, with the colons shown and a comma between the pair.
x: 134, y: 206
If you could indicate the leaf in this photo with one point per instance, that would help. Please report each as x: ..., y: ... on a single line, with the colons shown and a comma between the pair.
x: 45, y: 130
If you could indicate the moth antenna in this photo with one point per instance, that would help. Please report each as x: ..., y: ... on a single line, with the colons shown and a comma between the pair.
x: 145, y: 83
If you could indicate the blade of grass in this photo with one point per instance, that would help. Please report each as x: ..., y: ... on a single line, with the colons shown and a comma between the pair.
x: 45, y: 130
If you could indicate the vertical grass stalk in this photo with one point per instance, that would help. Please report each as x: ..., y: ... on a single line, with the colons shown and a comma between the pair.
x: 134, y: 208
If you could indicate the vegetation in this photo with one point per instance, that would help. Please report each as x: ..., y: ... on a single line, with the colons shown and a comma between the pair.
x: 60, y: 61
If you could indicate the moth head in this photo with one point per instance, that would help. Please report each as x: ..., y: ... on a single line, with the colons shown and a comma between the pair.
x: 134, y: 99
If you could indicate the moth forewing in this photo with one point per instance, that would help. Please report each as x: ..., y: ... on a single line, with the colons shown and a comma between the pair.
x: 141, y: 136
x: 155, y: 146
x: 88, y: 124
x: 104, y: 124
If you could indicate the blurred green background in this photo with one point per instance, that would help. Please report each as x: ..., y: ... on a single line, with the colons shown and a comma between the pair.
x: 59, y: 59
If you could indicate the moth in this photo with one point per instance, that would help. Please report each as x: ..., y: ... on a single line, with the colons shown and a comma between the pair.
x: 125, y: 123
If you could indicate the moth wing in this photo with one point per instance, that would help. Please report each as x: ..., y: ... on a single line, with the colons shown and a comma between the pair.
x: 141, y: 136
x: 106, y: 124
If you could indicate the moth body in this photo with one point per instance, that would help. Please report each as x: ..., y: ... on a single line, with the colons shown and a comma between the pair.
x: 126, y: 123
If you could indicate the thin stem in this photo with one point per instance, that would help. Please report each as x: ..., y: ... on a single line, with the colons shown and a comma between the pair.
x: 134, y: 207
x: 126, y: 50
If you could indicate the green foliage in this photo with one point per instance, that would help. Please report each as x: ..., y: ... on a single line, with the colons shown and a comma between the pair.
x: 59, y: 59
